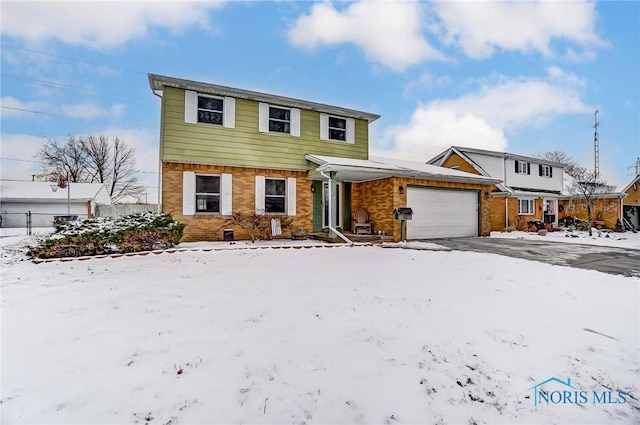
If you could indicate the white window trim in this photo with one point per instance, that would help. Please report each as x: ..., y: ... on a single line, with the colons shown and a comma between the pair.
x: 263, y: 119
x: 191, y: 109
x: 546, y: 171
x: 276, y: 196
x: 189, y: 194
x: 349, y: 128
x: 195, y: 194
x: 523, y: 167
x: 530, y: 202
x: 290, y: 195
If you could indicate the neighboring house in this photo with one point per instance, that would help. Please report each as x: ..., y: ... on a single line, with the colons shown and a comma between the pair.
x: 531, y: 188
x: 226, y: 150
x: 631, y: 203
x: 18, y: 198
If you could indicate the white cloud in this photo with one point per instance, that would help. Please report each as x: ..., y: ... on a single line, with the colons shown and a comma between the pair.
x: 99, y: 24
x: 479, y: 28
x: 91, y: 110
x: 481, y: 119
x: 388, y: 32
x: 433, y: 129
x: 18, y: 153
x: 12, y: 107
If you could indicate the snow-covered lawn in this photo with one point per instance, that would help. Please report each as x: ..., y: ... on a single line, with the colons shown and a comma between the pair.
x: 313, y: 335
x: 599, y: 238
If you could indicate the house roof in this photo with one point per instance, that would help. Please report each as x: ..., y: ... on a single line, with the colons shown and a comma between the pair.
x: 29, y: 191
x: 442, y: 157
x: 633, y: 181
x: 461, y: 149
x: 359, y: 170
x: 158, y: 82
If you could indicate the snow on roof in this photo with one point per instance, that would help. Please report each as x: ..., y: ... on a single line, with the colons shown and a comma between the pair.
x: 23, y: 191
x: 395, y: 167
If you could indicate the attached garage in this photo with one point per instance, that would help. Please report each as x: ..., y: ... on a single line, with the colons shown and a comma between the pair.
x: 441, y: 213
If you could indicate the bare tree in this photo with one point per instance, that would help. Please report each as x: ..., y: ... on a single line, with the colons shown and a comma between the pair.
x: 588, y: 187
x: 94, y: 159
x: 571, y: 165
x: 66, y: 161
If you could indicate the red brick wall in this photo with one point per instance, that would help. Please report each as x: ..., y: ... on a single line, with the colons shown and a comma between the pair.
x: 209, y: 227
x: 609, y: 208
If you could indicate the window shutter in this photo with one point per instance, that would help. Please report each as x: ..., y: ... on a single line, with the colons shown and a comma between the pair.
x: 295, y: 122
x: 528, y: 168
x: 190, y: 107
x: 263, y: 117
x: 516, y: 166
x: 229, y: 112
x: 188, y: 193
x: 260, y: 195
x: 351, y: 130
x: 550, y: 171
x: 291, y: 196
x: 540, y: 169
x: 226, y: 194
x: 324, y: 127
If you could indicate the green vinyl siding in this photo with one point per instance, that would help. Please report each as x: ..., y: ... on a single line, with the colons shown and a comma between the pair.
x: 317, y: 206
x: 244, y: 145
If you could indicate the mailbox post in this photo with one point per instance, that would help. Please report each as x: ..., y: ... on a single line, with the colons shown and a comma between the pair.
x: 403, y: 214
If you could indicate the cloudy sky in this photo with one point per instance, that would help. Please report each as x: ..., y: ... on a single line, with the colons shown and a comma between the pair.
x: 522, y: 77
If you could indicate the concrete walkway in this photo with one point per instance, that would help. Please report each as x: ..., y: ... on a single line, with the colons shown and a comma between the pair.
x: 604, y: 259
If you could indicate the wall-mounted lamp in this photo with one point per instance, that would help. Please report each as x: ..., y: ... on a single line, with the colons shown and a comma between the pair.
x: 313, y: 187
x: 486, y: 195
x: 401, y: 189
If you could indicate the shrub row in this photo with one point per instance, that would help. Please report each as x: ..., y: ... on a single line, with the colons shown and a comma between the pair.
x: 104, y: 235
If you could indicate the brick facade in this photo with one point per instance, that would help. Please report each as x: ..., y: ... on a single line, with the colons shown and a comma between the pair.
x: 381, y: 197
x: 633, y: 194
x: 209, y: 226
x: 609, y: 210
x: 456, y: 160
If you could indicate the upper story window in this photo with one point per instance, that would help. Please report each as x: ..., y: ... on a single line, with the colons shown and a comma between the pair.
x: 279, y: 120
x: 523, y: 167
x: 210, y: 110
x: 545, y: 171
x: 276, y: 119
x: 337, y: 129
x: 207, y: 193
x: 206, y: 109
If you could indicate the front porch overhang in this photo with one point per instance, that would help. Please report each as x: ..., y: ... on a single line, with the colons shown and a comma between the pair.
x: 362, y: 170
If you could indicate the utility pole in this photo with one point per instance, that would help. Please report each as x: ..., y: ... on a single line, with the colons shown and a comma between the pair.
x: 596, y: 146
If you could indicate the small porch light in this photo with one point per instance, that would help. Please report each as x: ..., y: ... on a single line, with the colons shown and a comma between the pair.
x: 401, y: 189
x: 486, y: 194
x: 313, y: 187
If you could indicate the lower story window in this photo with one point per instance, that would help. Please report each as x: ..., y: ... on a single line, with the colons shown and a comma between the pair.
x: 525, y: 206
x: 275, y: 195
x: 208, y: 194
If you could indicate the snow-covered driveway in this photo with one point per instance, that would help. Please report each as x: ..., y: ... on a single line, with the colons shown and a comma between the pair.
x: 313, y: 335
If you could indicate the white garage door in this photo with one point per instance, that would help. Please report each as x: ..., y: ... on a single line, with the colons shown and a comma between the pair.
x: 440, y: 213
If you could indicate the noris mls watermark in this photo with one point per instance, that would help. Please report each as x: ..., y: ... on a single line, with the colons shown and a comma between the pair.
x: 566, y: 393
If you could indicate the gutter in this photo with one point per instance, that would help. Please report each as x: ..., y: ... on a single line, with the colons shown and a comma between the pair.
x: 333, y: 229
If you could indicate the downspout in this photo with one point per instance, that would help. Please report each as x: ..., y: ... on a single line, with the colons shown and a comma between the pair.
x: 333, y: 229
x: 159, y: 206
x: 506, y: 212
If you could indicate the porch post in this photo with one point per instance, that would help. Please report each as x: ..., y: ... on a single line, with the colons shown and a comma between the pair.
x: 333, y: 203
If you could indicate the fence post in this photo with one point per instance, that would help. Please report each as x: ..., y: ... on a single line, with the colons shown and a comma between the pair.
x: 29, y: 223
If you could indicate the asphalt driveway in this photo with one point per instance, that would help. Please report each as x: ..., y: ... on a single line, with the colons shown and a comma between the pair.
x: 604, y: 259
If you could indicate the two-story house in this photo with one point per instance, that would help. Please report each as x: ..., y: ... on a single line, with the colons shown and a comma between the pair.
x: 531, y: 188
x: 225, y: 150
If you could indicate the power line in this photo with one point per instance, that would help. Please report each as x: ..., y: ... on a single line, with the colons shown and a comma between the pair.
x: 40, y: 52
x: 18, y: 159
x: 33, y: 112
x: 55, y: 84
